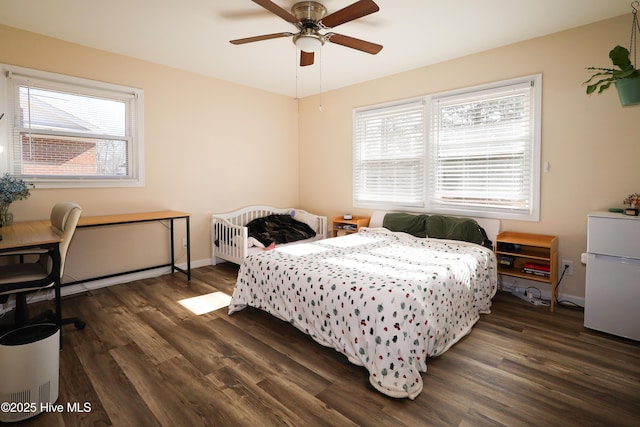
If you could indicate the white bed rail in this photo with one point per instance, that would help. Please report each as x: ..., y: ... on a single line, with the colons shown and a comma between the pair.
x: 229, y: 234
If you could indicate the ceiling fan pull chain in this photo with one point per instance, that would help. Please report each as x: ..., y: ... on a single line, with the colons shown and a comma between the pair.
x: 633, y: 45
x: 320, y: 71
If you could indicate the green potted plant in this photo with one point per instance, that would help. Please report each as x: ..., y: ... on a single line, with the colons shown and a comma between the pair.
x: 626, y: 77
x: 11, y: 189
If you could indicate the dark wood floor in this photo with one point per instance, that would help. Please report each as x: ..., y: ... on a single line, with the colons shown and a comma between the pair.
x: 144, y: 360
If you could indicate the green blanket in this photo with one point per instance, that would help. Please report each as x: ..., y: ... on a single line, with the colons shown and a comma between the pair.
x: 449, y: 227
x: 438, y: 227
x: 415, y: 225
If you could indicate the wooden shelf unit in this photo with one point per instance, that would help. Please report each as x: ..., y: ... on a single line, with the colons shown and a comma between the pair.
x: 525, y: 248
x: 348, y: 225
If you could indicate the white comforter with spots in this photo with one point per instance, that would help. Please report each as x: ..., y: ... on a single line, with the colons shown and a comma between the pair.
x: 388, y: 301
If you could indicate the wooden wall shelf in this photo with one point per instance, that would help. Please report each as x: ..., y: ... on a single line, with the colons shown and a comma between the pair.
x: 529, y: 256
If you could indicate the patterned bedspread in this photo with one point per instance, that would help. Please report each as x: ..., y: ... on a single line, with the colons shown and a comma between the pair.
x: 388, y: 301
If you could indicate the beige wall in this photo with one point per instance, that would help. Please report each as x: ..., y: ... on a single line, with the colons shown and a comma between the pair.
x: 210, y: 146
x: 591, y: 142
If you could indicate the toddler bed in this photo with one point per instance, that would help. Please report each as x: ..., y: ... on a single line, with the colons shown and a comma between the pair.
x: 231, y: 239
x: 387, y: 300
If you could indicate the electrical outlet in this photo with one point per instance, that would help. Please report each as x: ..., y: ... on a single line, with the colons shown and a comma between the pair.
x: 184, y: 243
x: 567, y: 267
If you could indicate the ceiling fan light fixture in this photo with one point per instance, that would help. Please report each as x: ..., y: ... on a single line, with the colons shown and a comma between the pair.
x: 310, y: 43
x: 310, y: 17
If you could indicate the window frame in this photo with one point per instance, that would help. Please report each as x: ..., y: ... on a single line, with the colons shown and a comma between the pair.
x: 84, y: 87
x: 427, y: 205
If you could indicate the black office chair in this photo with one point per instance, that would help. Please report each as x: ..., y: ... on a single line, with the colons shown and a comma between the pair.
x: 22, y: 278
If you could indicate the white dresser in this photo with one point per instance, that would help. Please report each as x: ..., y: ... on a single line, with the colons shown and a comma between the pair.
x: 612, y: 294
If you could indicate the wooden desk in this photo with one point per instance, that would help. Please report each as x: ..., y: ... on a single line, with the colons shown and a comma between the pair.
x: 133, y: 218
x: 27, y: 235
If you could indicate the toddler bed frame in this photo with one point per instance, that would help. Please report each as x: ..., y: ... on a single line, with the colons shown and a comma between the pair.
x: 230, y: 236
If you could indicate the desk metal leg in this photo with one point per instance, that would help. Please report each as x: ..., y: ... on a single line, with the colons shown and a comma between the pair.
x: 173, y: 256
x: 173, y: 260
x: 188, y: 248
x: 57, y: 265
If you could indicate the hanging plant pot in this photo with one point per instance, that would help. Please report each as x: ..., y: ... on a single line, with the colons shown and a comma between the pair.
x: 628, y: 91
x: 625, y: 77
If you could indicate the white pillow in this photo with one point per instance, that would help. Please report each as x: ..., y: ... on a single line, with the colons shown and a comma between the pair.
x: 377, y: 218
x: 307, y: 218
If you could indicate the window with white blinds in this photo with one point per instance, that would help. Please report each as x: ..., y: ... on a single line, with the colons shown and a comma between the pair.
x: 480, y: 155
x: 70, y: 132
x: 483, y: 151
x: 389, y: 155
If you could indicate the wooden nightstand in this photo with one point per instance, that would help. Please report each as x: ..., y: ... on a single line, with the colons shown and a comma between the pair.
x: 529, y: 256
x: 348, y: 226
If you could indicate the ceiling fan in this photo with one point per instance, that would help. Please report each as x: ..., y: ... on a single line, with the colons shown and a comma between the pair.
x: 310, y: 18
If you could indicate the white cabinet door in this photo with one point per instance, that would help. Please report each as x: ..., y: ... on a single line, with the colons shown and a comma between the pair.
x: 612, y: 295
x: 618, y: 236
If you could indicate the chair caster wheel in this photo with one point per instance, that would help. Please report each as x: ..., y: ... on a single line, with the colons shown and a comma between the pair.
x: 79, y: 324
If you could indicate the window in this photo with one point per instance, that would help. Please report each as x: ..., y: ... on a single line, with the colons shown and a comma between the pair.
x: 71, y: 132
x: 389, y: 155
x: 478, y: 154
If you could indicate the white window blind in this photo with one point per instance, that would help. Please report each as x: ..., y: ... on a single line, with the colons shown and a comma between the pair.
x: 474, y: 151
x: 389, y: 155
x: 73, y: 132
x: 482, y: 151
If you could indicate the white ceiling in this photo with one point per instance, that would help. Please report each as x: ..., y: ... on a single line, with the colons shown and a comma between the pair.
x: 194, y: 34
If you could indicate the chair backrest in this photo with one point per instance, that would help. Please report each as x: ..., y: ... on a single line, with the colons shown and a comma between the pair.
x: 64, y: 218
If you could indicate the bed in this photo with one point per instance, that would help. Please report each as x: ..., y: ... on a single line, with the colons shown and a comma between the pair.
x: 387, y: 300
x: 231, y: 240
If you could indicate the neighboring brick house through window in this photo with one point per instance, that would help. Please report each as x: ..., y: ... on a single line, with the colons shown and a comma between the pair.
x: 50, y: 156
x: 71, y: 132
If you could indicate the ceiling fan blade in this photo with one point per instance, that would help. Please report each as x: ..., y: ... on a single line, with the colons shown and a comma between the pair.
x: 306, y: 58
x: 354, y: 11
x: 353, y: 43
x: 277, y: 10
x: 260, y: 38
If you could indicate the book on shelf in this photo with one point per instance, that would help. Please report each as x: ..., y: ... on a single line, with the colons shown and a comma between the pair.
x: 536, y: 272
x: 538, y: 267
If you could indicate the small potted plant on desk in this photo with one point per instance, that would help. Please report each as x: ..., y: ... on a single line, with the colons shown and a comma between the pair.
x: 11, y: 189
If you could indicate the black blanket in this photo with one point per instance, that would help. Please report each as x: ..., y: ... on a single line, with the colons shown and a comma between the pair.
x: 279, y: 228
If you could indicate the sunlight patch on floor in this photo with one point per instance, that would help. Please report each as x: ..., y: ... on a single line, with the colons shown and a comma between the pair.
x: 206, y: 303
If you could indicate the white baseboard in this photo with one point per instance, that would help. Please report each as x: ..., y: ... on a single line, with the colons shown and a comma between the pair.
x: 520, y: 285
x: 126, y: 278
x: 101, y: 283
